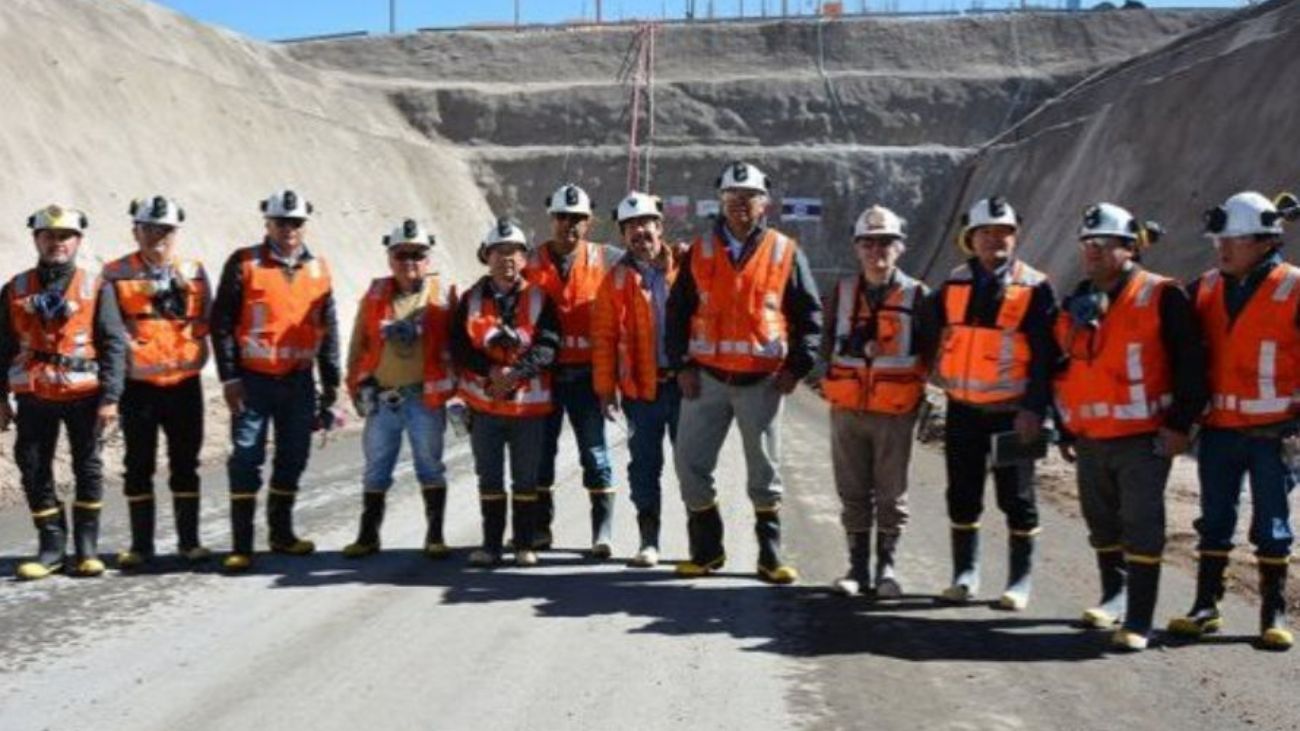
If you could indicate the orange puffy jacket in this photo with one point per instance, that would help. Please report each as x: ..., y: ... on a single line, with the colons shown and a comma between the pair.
x: 573, y: 297
x: 738, y: 325
x: 162, y: 350
x: 1254, y: 359
x: 56, y: 360
x: 986, y: 365
x: 376, y: 311
x: 1117, y: 379
x: 532, y: 397
x: 892, y: 381
x: 625, y: 355
x: 281, y: 323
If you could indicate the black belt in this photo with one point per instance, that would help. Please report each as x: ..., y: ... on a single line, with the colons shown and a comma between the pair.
x: 72, y: 363
x: 736, y: 379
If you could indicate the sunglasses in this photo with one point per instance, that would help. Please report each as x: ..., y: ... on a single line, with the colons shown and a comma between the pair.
x: 288, y: 222
x: 410, y: 255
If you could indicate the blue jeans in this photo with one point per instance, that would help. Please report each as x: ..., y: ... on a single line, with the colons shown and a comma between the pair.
x: 288, y: 403
x: 574, y: 394
x: 489, y: 438
x: 382, y: 442
x: 1225, y: 457
x: 647, y: 421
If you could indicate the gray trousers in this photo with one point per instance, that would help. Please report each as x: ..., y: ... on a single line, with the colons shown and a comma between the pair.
x: 702, y: 427
x: 1122, y: 493
x: 870, y: 454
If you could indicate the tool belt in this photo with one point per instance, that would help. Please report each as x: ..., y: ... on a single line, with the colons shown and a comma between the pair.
x: 72, y: 363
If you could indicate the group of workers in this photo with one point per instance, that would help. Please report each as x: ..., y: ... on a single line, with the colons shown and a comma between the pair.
x: 683, y: 340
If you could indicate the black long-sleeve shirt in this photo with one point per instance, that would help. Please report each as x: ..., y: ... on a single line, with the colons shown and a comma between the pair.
x: 925, y: 328
x: 229, y: 305
x: 109, y: 334
x: 537, y: 357
x: 987, y: 292
x: 1180, y: 335
x: 800, y: 305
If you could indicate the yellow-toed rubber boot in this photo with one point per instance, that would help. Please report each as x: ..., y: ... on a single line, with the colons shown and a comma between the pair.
x: 279, y: 521
x: 1204, y: 617
x: 704, y: 528
x: 85, y: 538
x: 771, y: 569
x: 52, y: 540
x: 435, y: 507
x: 185, y: 506
x: 1273, y: 632
x: 243, y: 508
x: 237, y: 562
x: 141, y: 511
x: 372, y: 518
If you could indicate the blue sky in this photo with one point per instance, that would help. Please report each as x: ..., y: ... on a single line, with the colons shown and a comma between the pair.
x: 270, y: 19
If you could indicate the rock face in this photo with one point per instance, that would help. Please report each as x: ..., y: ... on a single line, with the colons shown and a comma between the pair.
x: 1167, y: 135
x: 846, y: 112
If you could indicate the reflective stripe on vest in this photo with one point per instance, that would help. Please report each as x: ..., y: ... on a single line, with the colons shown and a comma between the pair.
x: 981, y: 364
x: 726, y: 331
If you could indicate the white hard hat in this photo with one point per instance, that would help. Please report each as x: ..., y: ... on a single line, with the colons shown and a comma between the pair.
x: 504, y: 231
x: 1108, y: 219
x: 409, y: 232
x: 993, y: 211
x: 743, y: 176
x: 569, y: 198
x: 56, y: 217
x: 287, y: 204
x: 639, y: 205
x: 879, y: 221
x: 157, y: 210
x: 1244, y: 214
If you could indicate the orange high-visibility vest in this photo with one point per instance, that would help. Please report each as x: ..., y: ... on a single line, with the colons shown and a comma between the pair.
x: 1117, y: 380
x: 482, y: 323
x: 625, y: 340
x: 162, y: 350
x: 1254, y: 359
x: 893, y: 380
x: 739, y: 326
x: 281, y: 324
x: 986, y: 365
x: 574, y: 297
x: 38, y: 369
x: 376, y: 311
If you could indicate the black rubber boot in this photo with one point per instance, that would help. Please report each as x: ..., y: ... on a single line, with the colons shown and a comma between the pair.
x: 1143, y: 584
x: 523, y: 524
x: 602, y: 522
x: 52, y: 543
x: 545, y: 517
x: 858, y: 579
x: 1110, y: 609
x: 243, y: 510
x: 493, y: 509
x: 965, y: 564
x: 435, y: 510
x: 704, y: 528
x: 648, y: 526
x: 85, y: 539
x: 887, y: 586
x: 767, y: 528
x: 185, y: 508
x: 372, y: 518
x: 1204, y: 617
x: 143, y: 514
x: 1020, y: 567
x: 1273, y: 631
x: 279, y: 521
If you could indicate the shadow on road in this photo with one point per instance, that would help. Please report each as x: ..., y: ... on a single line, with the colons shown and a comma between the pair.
x: 793, y: 621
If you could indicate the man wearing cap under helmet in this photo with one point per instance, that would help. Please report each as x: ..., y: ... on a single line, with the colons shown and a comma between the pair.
x: 995, y: 364
x: 504, y: 338
x: 877, y: 351
x: 273, y: 322
x: 62, y: 355
x: 744, y: 324
x: 1249, y: 308
x: 400, y: 378
x: 165, y: 300
x: 1131, y: 384
x: 569, y: 268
